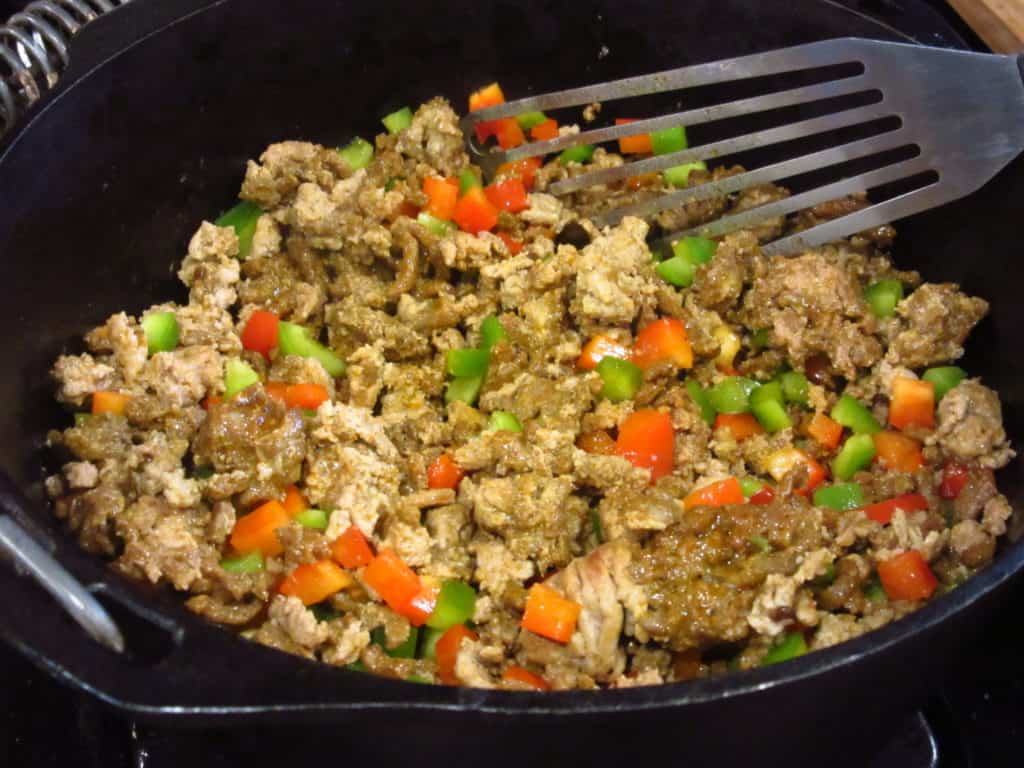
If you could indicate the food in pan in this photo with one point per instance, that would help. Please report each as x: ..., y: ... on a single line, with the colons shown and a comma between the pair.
x: 416, y: 425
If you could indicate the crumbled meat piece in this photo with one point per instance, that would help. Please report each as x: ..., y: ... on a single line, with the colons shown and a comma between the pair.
x: 284, y: 166
x: 232, y: 614
x: 719, y: 283
x: 938, y: 318
x: 125, y: 338
x: 969, y: 426
x: 545, y: 211
x: 469, y: 665
x: 352, y: 325
x: 434, y: 138
x: 266, y: 240
x: 971, y: 543
x: 211, y: 268
x: 646, y: 677
x: 91, y: 515
x: 183, y: 377
x: 79, y: 376
x: 775, y: 605
x: 297, y: 622
x: 81, y: 475
x: 365, y: 376
x: 615, y: 280
x: 346, y: 640
x: 496, y: 566
x: 161, y: 543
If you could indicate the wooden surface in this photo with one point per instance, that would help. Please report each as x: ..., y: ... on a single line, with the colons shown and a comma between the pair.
x: 1000, y: 23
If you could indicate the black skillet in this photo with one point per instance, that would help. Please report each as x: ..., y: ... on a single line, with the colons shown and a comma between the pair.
x: 147, y: 134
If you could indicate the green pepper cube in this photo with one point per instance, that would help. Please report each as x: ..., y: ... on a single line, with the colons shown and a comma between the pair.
x: 428, y: 646
x: 795, y: 387
x: 455, y: 605
x: 419, y: 679
x: 787, y: 647
x: 852, y: 413
x: 766, y: 403
x: 760, y: 339
x: 529, y: 120
x: 696, y: 250
x: 162, y: 331
x: 503, y: 421
x: 238, y: 375
x: 391, y: 183
x: 679, y: 175
x: 841, y: 497
x: 750, y: 485
x: 313, y: 518
x: 732, y: 394
x: 324, y: 612
x: 883, y: 296
x: 434, y: 225
x: 700, y: 397
x: 669, y: 140
x: 357, y: 153
x: 468, y: 179
x: 467, y: 362
x: 356, y: 666
x: 761, y: 543
x: 251, y: 563
x: 578, y: 154
x: 465, y: 389
x: 944, y: 378
x: 855, y: 455
x: 595, y: 524
x: 676, y: 271
x: 622, y: 379
x: 242, y: 218
x: 81, y: 419
x: 398, y: 120
x: 873, y: 589
x: 404, y: 650
x: 491, y: 332
x: 294, y: 339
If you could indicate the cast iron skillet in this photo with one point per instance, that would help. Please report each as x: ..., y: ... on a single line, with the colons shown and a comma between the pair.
x: 147, y: 134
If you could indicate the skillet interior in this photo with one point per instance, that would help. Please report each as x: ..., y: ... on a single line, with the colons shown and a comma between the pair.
x: 105, y: 187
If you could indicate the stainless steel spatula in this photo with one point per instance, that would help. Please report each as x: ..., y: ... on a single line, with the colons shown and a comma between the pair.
x: 957, y: 116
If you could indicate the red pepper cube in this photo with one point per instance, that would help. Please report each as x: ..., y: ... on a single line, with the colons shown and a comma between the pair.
x: 509, y: 195
x: 474, y: 212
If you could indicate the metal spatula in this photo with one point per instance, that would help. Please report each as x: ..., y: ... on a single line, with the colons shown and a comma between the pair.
x: 948, y: 120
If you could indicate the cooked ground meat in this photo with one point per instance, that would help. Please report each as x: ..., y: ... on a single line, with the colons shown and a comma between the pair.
x: 472, y: 449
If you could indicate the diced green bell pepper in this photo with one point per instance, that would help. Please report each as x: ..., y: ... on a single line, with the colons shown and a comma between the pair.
x: 162, y: 331
x: 428, y: 646
x: 503, y: 421
x: 81, y: 419
x: 238, y: 375
x: 595, y: 523
x: 579, y: 154
x: 357, y: 153
x: 750, y: 485
x: 760, y: 339
x: 391, y: 183
x: 418, y: 679
x: 405, y: 650
x: 732, y: 395
x: 313, y: 518
x: 467, y: 180
x: 467, y: 361
x: 434, y: 225
x: 787, y: 647
x: 761, y: 543
x: 398, y: 120
x: 251, y: 563
x: 455, y: 605
x: 700, y: 397
x: 696, y: 250
x: 840, y: 496
x: 324, y: 611
x: 622, y: 378
x: 852, y: 413
x: 795, y: 387
x: 356, y: 666
x: 766, y: 405
x: 463, y: 388
x: 294, y: 339
x: 944, y: 378
x: 679, y: 175
x: 669, y: 140
x: 855, y: 455
x: 242, y: 218
x: 676, y: 271
x: 873, y: 589
x: 491, y: 332
x: 883, y: 297
x: 529, y: 120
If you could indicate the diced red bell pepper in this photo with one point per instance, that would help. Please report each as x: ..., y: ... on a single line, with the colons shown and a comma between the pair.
x: 545, y: 131
x: 314, y: 582
x: 394, y: 581
x: 442, y: 194
x: 294, y: 502
x: 646, y: 439
x: 447, y: 650
x: 260, y: 332
x: 785, y: 460
x: 276, y: 390
x: 509, y: 133
x: 717, y: 494
x: 639, y: 144
x: 474, y: 212
x: 443, y: 472
x: 764, y: 496
x: 742, y: 425
x: 211, y: 400
x: 508, y: 195
x: 954, y: 478
x: 514, y: 246
x: 882, y: 512
x: 258, y: 530
x: 660, y: 340
x: 525, y: 676
x: 422, y: 605
x: 898, y: 451
x: 912, y: 402
x: 306, y: 396
x: 550, y: 615
x: 825, y: 430
x: 351, y: 549
x: 598, y: 348
x: 525, y: 170
x: 907, y: 577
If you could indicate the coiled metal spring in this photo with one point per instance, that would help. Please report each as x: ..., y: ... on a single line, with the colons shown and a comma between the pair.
x: 34, y: 50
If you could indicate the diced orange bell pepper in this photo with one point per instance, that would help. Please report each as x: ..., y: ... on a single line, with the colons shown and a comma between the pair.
x: 488, y: 96
x: 474, y: 212
x: 717, y: 494
x: 294, y: 502
x: 954, y: 478
x: 545, y: 131
x: 351, y: 549
x: 509, y: 133
x: 276, y: 390
x: 306, y: 396
x: 550, y: 615
x: 447, y: 651
x: 258, y: 529
x: 525, y: 676
x: 912, y: 402
x: 639, y: 144
x: 508, y: 195
x: 514, y: 246
x: 825, y: 430
x: 598, y: 442
x: 525, y: 170
x: 742, y: 425
x: 442, y: 194
x: 897, y: 451
x: 443, y: 472
x: 882, y: 511
x: 785, y: 460
x: 663, y: 339
x: 211, y: 400
x: 764, y: 496
x: 315, y: 582
x: 109, y: 402
x: 394, y: 581
x: 598, y: 348
x: 907, y: 577
x: 646, y: 439
x: 260, y: 332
